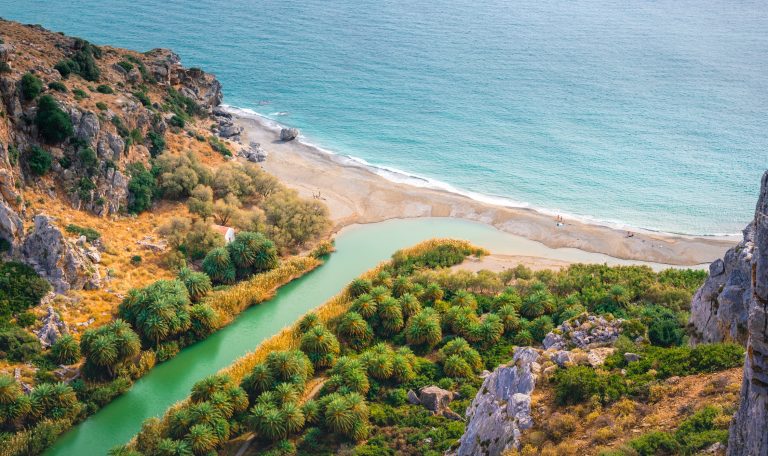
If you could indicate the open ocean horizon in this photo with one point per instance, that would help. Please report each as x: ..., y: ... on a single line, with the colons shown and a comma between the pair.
x: 647, y: 114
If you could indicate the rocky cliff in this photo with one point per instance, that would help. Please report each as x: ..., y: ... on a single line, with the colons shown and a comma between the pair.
x: 116, y: 108
x: 749, y: 428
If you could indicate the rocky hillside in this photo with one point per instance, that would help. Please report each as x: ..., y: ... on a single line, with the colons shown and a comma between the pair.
x: 75, y: 119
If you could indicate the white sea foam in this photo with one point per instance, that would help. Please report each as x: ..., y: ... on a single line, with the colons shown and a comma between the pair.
x: 403, y: 177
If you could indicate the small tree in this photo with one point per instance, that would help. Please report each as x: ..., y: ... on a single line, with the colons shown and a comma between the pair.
x: 39, y: 160
x: 31, y: 86
x: 53, y: 124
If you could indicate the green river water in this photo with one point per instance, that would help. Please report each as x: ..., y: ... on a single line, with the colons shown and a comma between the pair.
x: 359, y: 248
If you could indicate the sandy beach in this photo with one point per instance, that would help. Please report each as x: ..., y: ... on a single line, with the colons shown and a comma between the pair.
x: 355, y: 194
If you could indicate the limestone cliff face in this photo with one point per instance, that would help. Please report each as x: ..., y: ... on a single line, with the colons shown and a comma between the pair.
x: 719, y: 310
x: 749, y: 428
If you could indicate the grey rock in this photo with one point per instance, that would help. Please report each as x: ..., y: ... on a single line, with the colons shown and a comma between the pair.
x: 413, y: 398
x: 747, y: 434
x: 228, y: 131
x: 435, y: 399
x: 562, y: 358
x: 288, y: 134
x: 501, y: 410
x: 53, y: 328
x: 584, y: 331
x: 254, y: 153
x: 596, y: 357
x: 720, y: 308
x: 6, y: 51
x: 631, y: 357
x: 11, y: 226
x: 88, y: 127
x: 58, y: 260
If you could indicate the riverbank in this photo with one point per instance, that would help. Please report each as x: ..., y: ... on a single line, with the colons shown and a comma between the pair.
x: 356, y: 195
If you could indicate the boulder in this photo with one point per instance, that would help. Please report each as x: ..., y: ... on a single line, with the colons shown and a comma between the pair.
x: 562, y: 358
x: 413, y: 398
x: 288, y: 134
x: 501, y: 410
x: 585, y: 331
x: 254, y: 153
x: 597, y: 356
x: 747, y: 435
x: 230, y: 130
x: 11, y: 226
x: 57, y: 259
x: 631, y: 357
x: 435, y: 399
x: 6, y: 51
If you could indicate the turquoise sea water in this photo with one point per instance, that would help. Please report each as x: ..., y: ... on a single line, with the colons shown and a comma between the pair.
x: 648, y: 113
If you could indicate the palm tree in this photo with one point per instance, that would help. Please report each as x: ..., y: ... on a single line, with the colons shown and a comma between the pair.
x: 391, y: 315
x: 463, y: 298
x: 383, y: 278
x: 379, y: 294
x: 523, y: 338
x: 198, y: 284
x: 410, y: 305
x: 509, y: 317
x: 355, y: 331
x: 321, y: 346
x: 101, y: 351
x: 307, y: 322
x: 350, y: 374
x: 293, y: 417
x: 204, y: 320
x: 424, y: 328
x: 401, y: 286
x: 359, y: 287
x: 238, y: 398
x: 289, y: 365
x: 66, y: 350
x: 260, y: 379
x: 201, y: 439
x: 402, y: 370
x: 378, y: 361
x: 536, y: 304
x: 455, y: 366
x: 218, y: 265
x: 268, y: 422
x: 365, y: 305
x: 286, y: 393
x: 180, y: 422
x: 222, y: 403
x: 311, y: 411
x: 432, y: 293
x: 252, y: 252
x: 170, y: 447
x: 9, y: 390
x: 205, y: 388
x: 339, y: 416
x: 459, y: 347
x: 490, y: 330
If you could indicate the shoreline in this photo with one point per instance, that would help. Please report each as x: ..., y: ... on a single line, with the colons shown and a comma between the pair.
x: 355, y: 194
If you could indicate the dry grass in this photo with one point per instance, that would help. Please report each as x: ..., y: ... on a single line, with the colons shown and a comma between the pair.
x: 598, y: 428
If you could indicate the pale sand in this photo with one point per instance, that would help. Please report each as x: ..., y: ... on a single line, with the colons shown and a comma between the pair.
x: 354, y: 194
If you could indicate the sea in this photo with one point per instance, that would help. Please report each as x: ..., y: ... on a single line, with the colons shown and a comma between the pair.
x: 633, y: 113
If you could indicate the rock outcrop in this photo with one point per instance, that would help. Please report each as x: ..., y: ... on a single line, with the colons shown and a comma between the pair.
x: 254, y: 153
x: 501, y: 410
x: 748, y: 434
x: 60, y: 261
x: 585, y: 331
x: 288, y: 134
x: 53, y: 328
x: 196, y: 84
x: 720, y: 308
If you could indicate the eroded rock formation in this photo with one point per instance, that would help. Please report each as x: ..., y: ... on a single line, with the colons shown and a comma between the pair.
x: 749, y: 428
x: 501, y: 409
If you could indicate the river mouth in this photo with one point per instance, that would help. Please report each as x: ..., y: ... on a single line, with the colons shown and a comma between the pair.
x: 359, y: 248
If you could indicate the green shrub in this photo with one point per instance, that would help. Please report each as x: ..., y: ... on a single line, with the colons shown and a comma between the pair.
x: 708, y: 358
x: 143, y: 98
x: 578, y: 384
x: 80, y: 94
x: 20, y: 288
x: 53, y: 123
x: 156, y: 143
x: 655, y: 443
x: 17, y: 345
x: 141, y: 188
x: 102, y: 106
x: 666, y: 332
x: 57, y: 86
x: 5, y: 68
x: 89, y: 233
x: 31, y: 86
x: 127, y: 66
x: 25, y: 319
x: 217, y: 145
x: 65, y: 67
x: 82, y: 61
x: 105, y: 89
x: 177, y: 121
x: 136, y: 260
